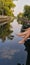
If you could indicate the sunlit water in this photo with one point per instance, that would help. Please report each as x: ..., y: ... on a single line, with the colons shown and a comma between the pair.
x: 11, y: 52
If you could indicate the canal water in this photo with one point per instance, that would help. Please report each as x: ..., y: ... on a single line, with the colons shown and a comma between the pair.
x: 11, y: 52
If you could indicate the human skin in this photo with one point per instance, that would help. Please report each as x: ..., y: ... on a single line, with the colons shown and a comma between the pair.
x: 25, y: 35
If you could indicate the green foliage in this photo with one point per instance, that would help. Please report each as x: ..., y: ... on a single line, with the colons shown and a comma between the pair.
x: 25, y: 16
x: 27, y: 11
x: 5, y: 31
x: 6, y: 7
x: 18, y: 17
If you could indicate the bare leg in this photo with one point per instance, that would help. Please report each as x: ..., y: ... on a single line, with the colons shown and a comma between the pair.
x: 24, y: 39
x: 23, y: 33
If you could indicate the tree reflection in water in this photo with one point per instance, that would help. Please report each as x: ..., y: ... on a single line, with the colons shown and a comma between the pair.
x: 5, y: 31
x: 27, y: 48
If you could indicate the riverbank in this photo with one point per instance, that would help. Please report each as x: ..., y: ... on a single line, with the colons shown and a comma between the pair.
x: 5, y: 18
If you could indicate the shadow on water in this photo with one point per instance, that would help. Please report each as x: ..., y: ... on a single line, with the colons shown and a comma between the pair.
x: 27, y: 48
x: 5, y: 31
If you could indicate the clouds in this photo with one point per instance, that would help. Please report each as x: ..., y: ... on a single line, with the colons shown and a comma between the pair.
x: 16, y: 27
x: 8, y: 53
x: 20, y: 5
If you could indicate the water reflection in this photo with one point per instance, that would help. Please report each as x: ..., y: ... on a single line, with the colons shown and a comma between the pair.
x: 12, y: 53
x: 5, y: 31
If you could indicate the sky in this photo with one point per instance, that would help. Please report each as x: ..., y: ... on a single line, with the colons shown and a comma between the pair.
x: 20, y: 5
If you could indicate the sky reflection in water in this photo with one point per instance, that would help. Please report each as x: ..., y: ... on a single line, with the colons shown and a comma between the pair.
x: 11, y: 52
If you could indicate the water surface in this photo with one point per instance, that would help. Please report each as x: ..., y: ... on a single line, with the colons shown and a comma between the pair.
x: 11, y: 53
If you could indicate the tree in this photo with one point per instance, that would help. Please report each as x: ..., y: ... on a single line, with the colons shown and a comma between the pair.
x: 27, y: 11
x: 6, y: 7
x: 24, y: 17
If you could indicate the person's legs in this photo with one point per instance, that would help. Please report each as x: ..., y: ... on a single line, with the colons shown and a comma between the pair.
x: 24, y: 39
x: 23, y: 33
x: 26, y: 35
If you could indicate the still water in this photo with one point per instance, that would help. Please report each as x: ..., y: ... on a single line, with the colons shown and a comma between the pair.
x: 12, y: 53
